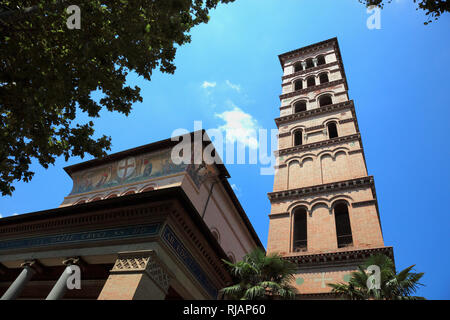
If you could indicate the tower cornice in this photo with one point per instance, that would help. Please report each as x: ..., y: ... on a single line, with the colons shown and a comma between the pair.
x: 314, y: 88
x: 317, y: 111
x: 315, y: 145
x: 323, y: 188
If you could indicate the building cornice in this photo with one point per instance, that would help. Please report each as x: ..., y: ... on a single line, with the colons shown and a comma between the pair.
x: 314, y: 112
x: 323, y: 188
x: 308, y: 49
x: 313, y: 88
x: 320, y: 144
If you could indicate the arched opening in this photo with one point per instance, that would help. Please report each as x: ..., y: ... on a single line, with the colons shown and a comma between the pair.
x: 332, y: 130
x: 298, y: 85
x: 298, y: 138
x: 343, y: 228
x: 320, y: 60
x: 299, y: 106
x: 216, y: 235
x: 128, y: 193
x: 111, y: 196
x: 309, y: 63
x: 325, y: 100
x: 298, y: 67
x: 149, y: 188
x: 231, y: 258
x: 323, y: 78
x: 311, y: 82
x: 300, y: 239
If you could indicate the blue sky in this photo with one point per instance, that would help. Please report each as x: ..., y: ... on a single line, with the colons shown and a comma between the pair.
x: 397, y: 76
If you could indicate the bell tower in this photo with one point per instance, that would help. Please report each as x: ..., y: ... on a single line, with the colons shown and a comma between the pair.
x: 324, y: 214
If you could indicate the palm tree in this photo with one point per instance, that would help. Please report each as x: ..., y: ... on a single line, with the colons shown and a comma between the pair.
x: 393, y: 286
x: 261, y: 277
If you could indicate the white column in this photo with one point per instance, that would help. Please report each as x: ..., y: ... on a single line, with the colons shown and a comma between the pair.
x: 60, y: 287
x: 15, y: 289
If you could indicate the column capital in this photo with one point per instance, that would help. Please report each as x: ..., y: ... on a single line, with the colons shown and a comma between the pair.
x: 145, y: 261
x: 76, y: 261
x: 33, y: 264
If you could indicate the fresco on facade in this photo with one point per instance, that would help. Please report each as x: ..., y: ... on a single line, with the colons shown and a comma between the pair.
x: 129, y: 170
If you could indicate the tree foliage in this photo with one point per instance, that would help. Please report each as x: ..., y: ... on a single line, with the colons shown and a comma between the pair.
x: 393, y: 286
x: 433, y: 8
x: 261, y: 277
x: 48, y: 72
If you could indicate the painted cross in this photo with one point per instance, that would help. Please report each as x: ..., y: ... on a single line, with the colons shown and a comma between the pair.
x: 322, y: 279
x: 126, y: 168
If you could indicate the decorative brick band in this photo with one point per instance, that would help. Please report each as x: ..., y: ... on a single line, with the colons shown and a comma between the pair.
x: 314, y: 128
x: 346, y: 120
x: 364, y: 203
x: 278, y: 215
x: 284, y: 134
x: 322, y: 188
x: 316, y: 145
x: 313, y: 88
x: 314, y: 112
x: 299, y: 73
x: 340, y: 256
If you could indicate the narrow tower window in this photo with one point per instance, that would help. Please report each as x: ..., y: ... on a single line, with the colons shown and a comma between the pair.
x: 332, y: 130
x: 311, y: 82
x: 323, y: 78
x: 298, y: 85
x: 298, y: 138
x: 325, y: 100
x: 300, y: 230
x: 320, y: 60
x: 300, y: 106
x: 343, y: 229
x: 309, y: 63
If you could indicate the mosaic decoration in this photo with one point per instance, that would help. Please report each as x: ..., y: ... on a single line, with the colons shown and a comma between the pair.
x: 129, y: 170
x: 299, y: 281
x: 183, y: 254
x: 347, y: 277
x: 80, y: 237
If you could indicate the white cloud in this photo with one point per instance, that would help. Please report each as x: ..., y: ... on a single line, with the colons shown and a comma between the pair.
x: 207, y: 84
x: 239, y: 126
x: 233, y: 86
x: 1, y: 216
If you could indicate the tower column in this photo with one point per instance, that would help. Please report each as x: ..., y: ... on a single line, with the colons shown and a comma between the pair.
x: 29, y: 269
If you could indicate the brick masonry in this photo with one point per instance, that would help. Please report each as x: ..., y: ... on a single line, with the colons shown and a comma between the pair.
x: 318, y: 163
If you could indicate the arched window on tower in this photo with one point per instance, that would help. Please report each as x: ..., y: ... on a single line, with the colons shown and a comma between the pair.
x: 320, y: 60
x: 309, y: 63
x: 299, y: 106
x: 325, y: 100
x: 343, y: 228
x: 311, y: 82
x: 332, y: 130
x: 298, y: 85
x: 298, y: 138
x: 298, y: 67
x: 323, y: 77
x: 300, y: 239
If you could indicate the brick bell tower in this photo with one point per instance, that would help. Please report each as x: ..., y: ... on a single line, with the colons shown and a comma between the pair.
x: 324, y: 214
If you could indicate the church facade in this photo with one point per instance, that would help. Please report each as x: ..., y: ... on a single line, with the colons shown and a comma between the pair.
x: 324, y: 212
x: 135, y: 226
